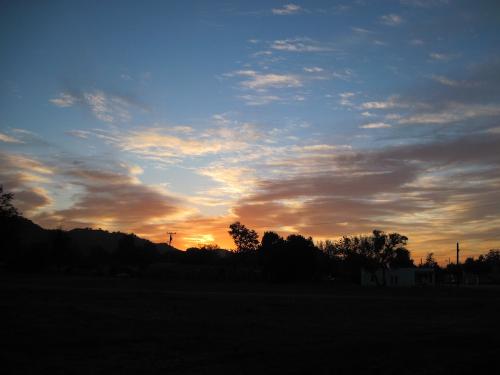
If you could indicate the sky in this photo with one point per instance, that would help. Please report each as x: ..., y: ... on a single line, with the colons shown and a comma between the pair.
x: 324, y: 118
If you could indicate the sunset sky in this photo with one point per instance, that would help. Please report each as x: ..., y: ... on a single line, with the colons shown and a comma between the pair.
x: 322, y: 118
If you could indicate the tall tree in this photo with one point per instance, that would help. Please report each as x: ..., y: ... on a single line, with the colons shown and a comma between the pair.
x: 7, y: 210
x: 8, y: 216
x: 245, y: 239
x: 430, y: 261
x: 386, y: 249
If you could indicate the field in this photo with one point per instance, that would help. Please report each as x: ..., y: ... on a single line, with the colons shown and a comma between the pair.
x: 76, y: 325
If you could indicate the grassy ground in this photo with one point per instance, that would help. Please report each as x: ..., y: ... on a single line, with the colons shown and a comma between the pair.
x: 71, y: 325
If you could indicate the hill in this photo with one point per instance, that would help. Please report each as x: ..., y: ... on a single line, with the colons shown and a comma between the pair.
x: 28, y: 233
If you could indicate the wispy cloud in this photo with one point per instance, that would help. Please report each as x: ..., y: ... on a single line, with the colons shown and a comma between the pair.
x: 64, y: 100
x: 229, y: 178
x: 262, y: 81
x: 8, y: 139
x: 163, y: 145
x: 424, y: 3
x: 375, y: 125
x: 301, y: 44
x: 417, y: 42
x: 24, y: 176
x: 105, y: 107
x: 437, y: 56
x: 451, y: 82
x: 391, y: 102
x: 391, y: 19
x: 259, y: 99
x: 361, y: 30
x: 82, y: 134
x: 453, y: 112
x: 287, y: 10
x: 345, y: 99
x: 113, y: 200
x: 313, y: 69
x: 395, y: 187
x: 344, y: 74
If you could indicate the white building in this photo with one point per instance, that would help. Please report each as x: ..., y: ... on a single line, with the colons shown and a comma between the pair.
x: 399, y: 277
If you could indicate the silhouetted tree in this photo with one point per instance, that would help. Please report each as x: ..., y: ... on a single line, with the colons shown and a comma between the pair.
x: 272, y: 251
x: 334, y: 259
x: 209, y: 247
x: 402, y: 258
x: 8, y: 235
x: 204, y: 254
x: 7, y: 209
x: 293, y: 259
x: 385, y: 249
x: 299, y: 257
x: 493, y: 257
x: 430, y: 261
x: 246, y: 240
x: 379, y: 251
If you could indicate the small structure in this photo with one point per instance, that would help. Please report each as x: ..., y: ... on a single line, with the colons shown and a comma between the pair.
x: 402, y: 277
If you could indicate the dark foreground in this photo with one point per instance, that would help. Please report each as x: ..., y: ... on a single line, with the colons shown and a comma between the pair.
x: 69, y: 325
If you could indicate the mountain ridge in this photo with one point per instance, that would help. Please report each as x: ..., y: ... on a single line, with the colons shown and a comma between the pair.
x: 85, y: 239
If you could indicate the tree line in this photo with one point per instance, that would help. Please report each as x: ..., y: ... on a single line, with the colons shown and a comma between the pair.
x: 271, y: 258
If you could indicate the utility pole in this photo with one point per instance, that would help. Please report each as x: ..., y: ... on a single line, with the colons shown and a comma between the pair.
x: 458, y: 262
x: 170, y: 237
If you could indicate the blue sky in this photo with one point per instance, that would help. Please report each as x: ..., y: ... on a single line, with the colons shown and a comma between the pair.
x: 325, y: 118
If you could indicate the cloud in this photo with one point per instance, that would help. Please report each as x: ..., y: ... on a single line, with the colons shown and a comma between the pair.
x: 453, y: 112
x: 375, y: 125
x: 424, y: 3
x: 64, y: 100
x: 255, y: 100
x: 258, y: 81
x: 160, y: 144
x: 222, y: 119
x: 391, y: 102
x: 109, y: 196
x: 440, y: 56
x: 230, y: 179
x: 417, y: 42
x: 182, y: 129
x: 344, y: 74
x: 423, y: 190
x: 24, y: 177
x: 82, y: 134
x: 445, y: 81
x: 105, y: 107
x: 113, y: 200
x: 301, y: 44
x: 262, y: 53
x: 451, y: 82
x: 391, y: 19
x: 313, y: 69
x: 12, y: 162
x: 8, y: 139
x: 345, y: 99
x: 361, y: 30
x: 471, y: 94
x: 287, y: 9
